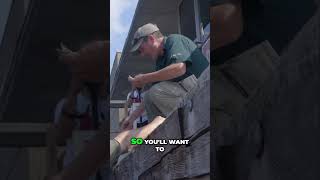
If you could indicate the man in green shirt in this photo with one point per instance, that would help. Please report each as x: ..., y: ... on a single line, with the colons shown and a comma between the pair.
x: 179, y: 63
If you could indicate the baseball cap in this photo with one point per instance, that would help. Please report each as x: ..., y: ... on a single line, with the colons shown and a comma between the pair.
x: 142, y: 31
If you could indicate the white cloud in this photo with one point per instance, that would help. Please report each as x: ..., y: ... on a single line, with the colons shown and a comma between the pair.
x: 118, y: 8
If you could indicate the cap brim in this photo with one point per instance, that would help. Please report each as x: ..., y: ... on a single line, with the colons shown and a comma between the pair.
x: 136, y: 46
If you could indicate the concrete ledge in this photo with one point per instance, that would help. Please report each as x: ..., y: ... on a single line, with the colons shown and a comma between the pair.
x: 23, y: 127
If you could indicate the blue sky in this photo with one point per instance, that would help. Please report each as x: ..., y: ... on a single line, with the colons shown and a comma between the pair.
x: 121, y: 14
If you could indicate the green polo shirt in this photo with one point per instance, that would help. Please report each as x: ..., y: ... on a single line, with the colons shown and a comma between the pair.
x: 178, y: 48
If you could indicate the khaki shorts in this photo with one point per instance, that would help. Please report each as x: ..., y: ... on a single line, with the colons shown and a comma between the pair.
x: 164, y: 97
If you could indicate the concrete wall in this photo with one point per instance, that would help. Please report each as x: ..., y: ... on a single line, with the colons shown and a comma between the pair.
x: 22, y: 163
x: 12, y: 17
x: 116, y: 115
x: 5, y: 7
x: 4, y: 13
x: 114, y: 68
x: 13, y: 163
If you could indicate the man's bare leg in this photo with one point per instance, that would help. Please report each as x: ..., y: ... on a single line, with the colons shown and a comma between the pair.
x: 124, y: 137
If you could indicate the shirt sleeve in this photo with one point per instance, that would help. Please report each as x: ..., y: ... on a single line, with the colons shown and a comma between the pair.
x: 179, y: 51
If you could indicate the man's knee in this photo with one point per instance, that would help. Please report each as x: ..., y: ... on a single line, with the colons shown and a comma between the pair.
x: 152, y: 94
x: 147, y: 98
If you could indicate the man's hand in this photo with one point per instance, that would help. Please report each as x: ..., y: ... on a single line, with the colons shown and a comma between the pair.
x: 170, y: 72
x: 137, y: 81
x: 126, y: 124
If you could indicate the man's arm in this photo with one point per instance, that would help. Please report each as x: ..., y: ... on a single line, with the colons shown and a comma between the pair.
x: 128, y: 122
x: 170, y: 72
x: 226, y: 22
